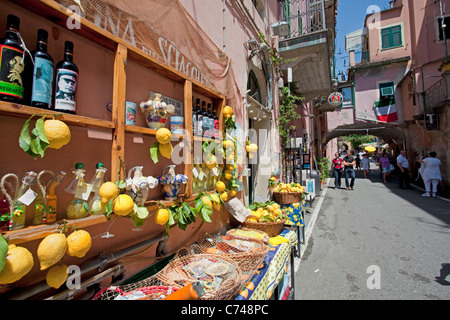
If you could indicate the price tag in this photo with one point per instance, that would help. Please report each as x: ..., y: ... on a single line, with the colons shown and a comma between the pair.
x: 195, y: 172
x: 28, y: 197
x: 85, y: 195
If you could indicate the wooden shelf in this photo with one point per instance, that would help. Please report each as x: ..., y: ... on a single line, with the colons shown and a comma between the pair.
x: 203, y: 139
x: 13, y: 109
x: 41, y: 231
x: 148, y: 131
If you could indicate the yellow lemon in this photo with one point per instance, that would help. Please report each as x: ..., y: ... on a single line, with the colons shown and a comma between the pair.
x: 228, y: 175
x: 228, y: 144
x: 229, y: 167
x: 211, y: 161
x: 220, y: 186
x: 216, y: 201
x: 108, y: 191
x: 252, y: 148
x: 276, y: 206
x: 78, y: 243
x: 166, y: 150
x: 232, y: 193
x: 161, y: 216
x: 57, y: 276
x: 227, y: 112
x: 123, y: 205
x: 19, y: 261
x: 270, y: 208
x: 207, y: 201
x: 163, y: 135
x: 224, y: 196
x: 260, y: 209
x: 57, y: 133
x: 51, y: 249
x: 277, y: 212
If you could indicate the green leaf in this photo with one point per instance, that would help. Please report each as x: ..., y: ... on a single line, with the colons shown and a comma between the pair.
x: 154, y: 150
x: 181, y: 219
x: 198, y: 205
x: 171, y: 218
x: 3, y: 252
x: 25, y: 137
x: 121, y: 184
x: 205, y: 213
x: 137, y: 222
x: 109, y: 208
x: 41, y: 131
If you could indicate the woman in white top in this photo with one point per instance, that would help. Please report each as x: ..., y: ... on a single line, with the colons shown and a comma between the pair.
x: 431, y: 174
x: 365, y: 164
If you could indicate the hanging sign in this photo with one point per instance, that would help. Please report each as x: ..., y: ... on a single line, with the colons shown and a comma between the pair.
x: 336, y: 99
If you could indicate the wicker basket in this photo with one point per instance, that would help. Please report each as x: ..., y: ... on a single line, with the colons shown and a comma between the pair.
x: 271, y: 228
x: 287, y: 197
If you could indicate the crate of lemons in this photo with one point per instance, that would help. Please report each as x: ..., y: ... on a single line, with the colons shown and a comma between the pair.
x: 289, y: 187
x: 269, y: 211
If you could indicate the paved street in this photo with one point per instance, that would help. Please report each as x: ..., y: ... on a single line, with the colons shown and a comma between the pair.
x: 376, y: 236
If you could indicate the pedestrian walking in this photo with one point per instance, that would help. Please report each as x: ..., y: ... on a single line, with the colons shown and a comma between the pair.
x: 431, y: 174
x: 348, y: 162
x: 385, y: 165
x: 365, y: 163
x: 358, y: 162
x: 403, y: 165
x: 336, y: 167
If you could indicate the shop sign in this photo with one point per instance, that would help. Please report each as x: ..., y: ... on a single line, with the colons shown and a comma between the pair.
x: 336, y: 99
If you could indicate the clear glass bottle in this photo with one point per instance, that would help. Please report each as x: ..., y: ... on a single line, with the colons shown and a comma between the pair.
x: 78, y: 207
x: 20, y: 204
x: 199, y: 118
x: 96, y: 206
x: 194, y: 119
x: 5, y: 207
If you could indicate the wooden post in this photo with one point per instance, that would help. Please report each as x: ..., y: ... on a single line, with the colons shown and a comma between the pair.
x: 118, y: 112
x: 188, y: 136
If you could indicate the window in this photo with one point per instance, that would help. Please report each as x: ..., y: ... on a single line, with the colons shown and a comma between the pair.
x: 387, y: 90
x: 447, y: 28
x: 253, y: 86
x: 391, y: 37
x: 347, y: 92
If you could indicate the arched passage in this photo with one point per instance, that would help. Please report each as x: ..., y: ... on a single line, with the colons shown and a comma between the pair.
x: 390, y: 133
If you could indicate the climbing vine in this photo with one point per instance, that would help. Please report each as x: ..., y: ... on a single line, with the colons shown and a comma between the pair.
x: 288, y: 114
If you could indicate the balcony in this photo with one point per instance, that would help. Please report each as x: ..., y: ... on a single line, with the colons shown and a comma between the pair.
x: 309, y: 44
x: 437, y: 95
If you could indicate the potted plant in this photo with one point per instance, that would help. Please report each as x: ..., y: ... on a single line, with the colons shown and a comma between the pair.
x: 323, y: 167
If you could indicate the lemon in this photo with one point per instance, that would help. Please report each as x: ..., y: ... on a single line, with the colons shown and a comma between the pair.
x: 228, y: 144
x: 232, y: 193
x: 57, y: 133
x: 216, y: 201
x: 108, y: 191
x: 270, y: 208
x: 252, y: 148
x: 161, y: 216
x: 211, y: 162
x: 273, y: 178
x: 78, y: 243
x: 220, y: 186
x: 166, y: 150
x: 227, y: 112
x: 207, y: 201
x: 51, y: 249
x: 19, y: 261
x: 224, y: 196
x: 163, y: 135
x: 229, y: 167
x: 123, y: 205
x: 228, y: 175
x: 56, y: 276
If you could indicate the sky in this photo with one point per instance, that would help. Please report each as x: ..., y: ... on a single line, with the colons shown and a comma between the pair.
x: 350, y: 17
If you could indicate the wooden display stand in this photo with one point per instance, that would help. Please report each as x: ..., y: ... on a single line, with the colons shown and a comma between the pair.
x: 123, y: 54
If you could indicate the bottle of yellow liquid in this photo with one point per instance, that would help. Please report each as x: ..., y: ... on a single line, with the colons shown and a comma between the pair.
x: 96, y: 206
x: 24, y: 197
x: 50, y: 216
x: 78, y: 207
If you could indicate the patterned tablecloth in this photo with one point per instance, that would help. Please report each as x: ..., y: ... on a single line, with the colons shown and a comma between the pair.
x: 294, y: 213
x: 263, y: 283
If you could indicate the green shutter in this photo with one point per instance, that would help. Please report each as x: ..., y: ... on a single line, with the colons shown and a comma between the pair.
x: 391, y: 37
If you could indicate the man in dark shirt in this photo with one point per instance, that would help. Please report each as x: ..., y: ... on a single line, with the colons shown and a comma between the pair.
x: 349, y: 162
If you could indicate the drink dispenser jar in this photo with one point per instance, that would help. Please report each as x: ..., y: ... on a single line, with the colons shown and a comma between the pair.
x: 138, y: 186
x: 156, y: 111
x: 171, y: 182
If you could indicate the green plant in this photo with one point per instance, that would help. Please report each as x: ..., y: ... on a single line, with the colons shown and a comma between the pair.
x: 277, y: 61
x: 357, y: 139
x: 324, y: 169
x: 288, y: 114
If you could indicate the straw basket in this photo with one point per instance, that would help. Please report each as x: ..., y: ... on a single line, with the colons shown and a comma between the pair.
x: 287, y: 197
x: 248, y: 255
x: 271, y: 228
x: 180, y: 272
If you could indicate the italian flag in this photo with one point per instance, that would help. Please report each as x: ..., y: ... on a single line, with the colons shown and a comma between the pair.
x: 386, y: 111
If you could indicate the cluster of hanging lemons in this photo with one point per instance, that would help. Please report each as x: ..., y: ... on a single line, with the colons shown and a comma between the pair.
x: 51, y: 250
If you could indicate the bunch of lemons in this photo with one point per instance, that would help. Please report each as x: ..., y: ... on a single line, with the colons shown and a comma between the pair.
x: 289, y: 187
x: 266, y: 213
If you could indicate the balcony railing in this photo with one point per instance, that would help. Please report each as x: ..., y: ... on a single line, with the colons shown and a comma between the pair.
x: 303, y: 16
x: 436, y: 94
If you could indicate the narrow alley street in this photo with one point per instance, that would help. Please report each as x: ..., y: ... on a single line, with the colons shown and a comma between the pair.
x: 376, y: 242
